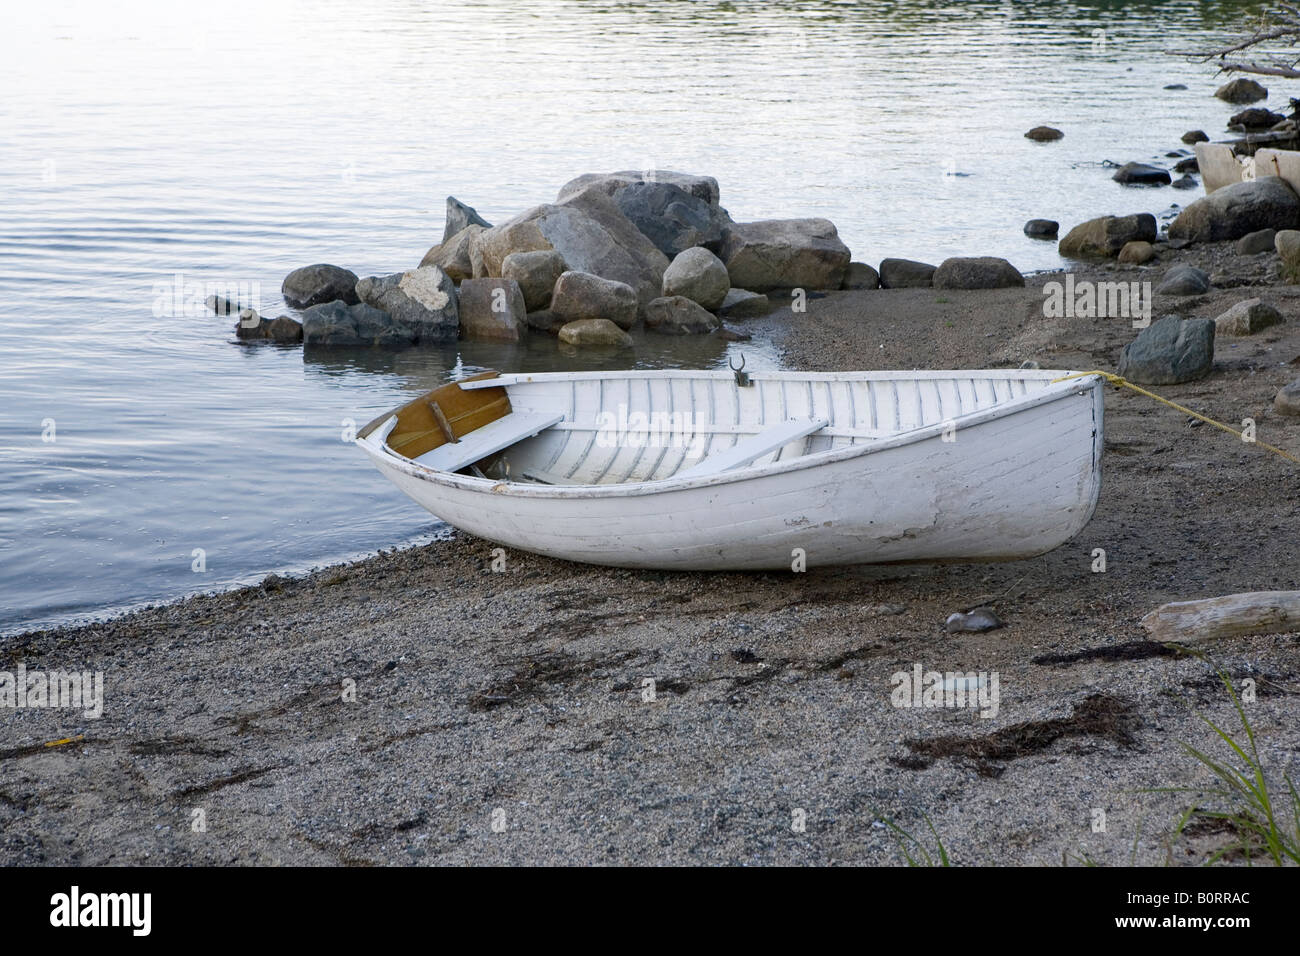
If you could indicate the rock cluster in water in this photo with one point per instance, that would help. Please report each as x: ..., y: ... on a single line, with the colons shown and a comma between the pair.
x: 613, y: 252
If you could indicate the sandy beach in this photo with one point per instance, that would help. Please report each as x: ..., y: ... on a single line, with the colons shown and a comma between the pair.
x: 421, y: 708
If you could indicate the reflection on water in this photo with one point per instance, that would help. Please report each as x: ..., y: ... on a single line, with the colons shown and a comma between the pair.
x: 157, y: 143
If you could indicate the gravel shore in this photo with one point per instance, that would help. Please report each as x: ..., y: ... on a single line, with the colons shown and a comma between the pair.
x: 421, y: 708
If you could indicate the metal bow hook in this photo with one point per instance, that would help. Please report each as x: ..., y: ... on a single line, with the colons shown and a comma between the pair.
x: 742, y: 377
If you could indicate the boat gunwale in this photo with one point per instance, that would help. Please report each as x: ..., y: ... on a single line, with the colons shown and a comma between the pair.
x: 1052, y: 392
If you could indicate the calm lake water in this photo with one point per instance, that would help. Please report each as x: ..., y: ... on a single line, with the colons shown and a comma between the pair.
x: 152, y: 145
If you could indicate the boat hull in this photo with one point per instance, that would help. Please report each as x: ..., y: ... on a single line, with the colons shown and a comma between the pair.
x: 1001, y: 487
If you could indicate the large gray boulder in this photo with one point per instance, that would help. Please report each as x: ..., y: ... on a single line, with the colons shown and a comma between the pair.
x: 905, y: 274
x: 312, y: 285
x: 460, y: 217
x: 492, y: 310
x: 581, y: 295
x: 981, y: 272
x: 1235, y: 210
x: 453, y: 256
x: 678, y: 315
x: 700, y: 276
x: 422, y: 301
x: 1107, y: 235
x: 785, y: 254
x: 592, y: 235
x: 701, y: 187
x: 536, y: 272
x: 1169, y: 351
x: 672, y: 218
x: 339, y: 324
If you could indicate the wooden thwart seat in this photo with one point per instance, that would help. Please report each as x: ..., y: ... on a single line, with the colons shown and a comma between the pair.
x: 487, y: 440
x: 754, y: 447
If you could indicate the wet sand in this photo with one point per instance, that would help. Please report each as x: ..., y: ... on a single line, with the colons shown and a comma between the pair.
x: 518, y: 698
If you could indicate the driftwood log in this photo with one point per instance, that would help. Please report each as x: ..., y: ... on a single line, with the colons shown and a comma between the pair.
x: 1254, y: 612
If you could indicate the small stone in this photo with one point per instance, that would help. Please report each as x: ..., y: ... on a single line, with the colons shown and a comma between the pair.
x: 1185, y: 182
x: 1247, y: 317
x: 1195, y: 136
x: 1176, y: 86
x: 1287, y: 400
x: 977, y: 621
x: 1253, y: 243
x: 1287, y: 244
x: 1184, y: 280
x: 1188, y: 165
x: 1137, y: 252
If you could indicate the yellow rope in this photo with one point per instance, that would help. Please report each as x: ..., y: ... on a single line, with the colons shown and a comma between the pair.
x: 1117, y: 380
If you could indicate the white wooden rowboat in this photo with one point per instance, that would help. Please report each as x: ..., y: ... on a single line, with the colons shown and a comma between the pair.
x: 695, y: 470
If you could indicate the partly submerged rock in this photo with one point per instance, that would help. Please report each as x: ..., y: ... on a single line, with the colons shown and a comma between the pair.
x: 743, y: 304
x: 1232, y: 211
x: 312, y: 285
x: 678, y: 315
x: 1042, y: 228
x: 1107, y: 235
x: 1241, y: 90
x: 594, y: 332
x: 421, y: 301
x: 492, y: 309
x: 1141, y: 174
x: 339, y: 324
x: 1044, y: 134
